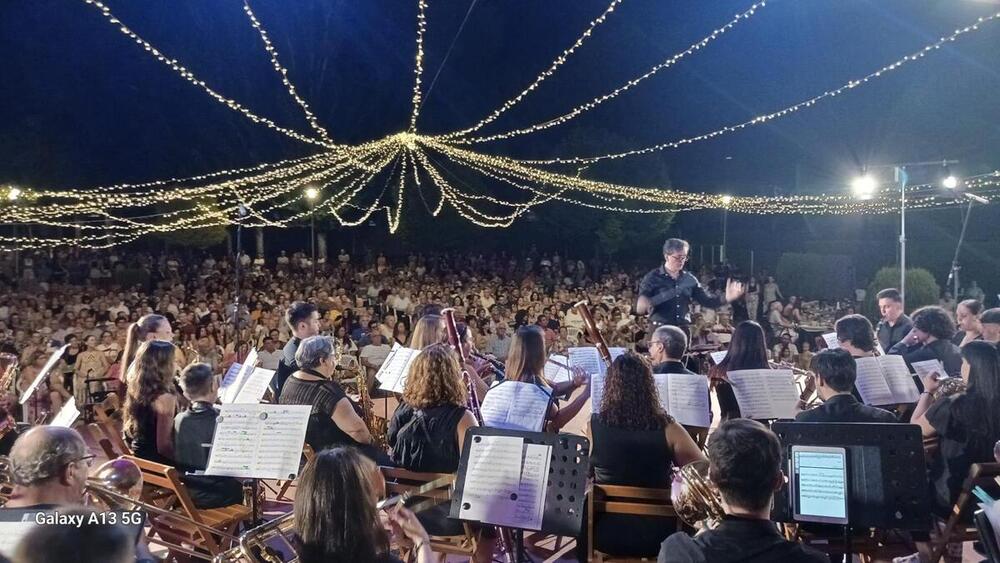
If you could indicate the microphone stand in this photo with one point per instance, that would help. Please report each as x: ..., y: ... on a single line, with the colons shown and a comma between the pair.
x: 953, y: 274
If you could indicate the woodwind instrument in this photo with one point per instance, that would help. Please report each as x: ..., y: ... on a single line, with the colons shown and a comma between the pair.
x: 377, y: 427
x: 456, y: 342
x: 8, y: 377
x: 593, y: 333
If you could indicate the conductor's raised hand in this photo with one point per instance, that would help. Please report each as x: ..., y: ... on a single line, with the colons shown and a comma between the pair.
x: 734, y: 290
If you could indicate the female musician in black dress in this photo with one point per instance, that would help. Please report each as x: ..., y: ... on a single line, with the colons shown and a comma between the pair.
x: 634, y: 443
x: 526, y: 363
x: 747, y: 350
x: 150, y: 402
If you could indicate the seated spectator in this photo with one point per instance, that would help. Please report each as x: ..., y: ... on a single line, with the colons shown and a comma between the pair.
x: 835, y: 372
x: 745, y: 464
x: 49, y: 467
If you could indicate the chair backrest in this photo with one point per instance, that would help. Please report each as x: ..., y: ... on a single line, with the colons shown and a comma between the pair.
x: 640, y: 501
x: 115, y: 437
x: 166, y: 477
x: 97, y: 434
x: 399, y: 481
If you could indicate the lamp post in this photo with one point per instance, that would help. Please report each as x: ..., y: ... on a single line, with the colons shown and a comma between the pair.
x: 726, y: 200
x: 312, y: 194
x: 864, y: 188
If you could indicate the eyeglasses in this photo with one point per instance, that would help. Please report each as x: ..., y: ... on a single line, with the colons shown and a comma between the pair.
x: 88, y: 459
x: 678, y: 257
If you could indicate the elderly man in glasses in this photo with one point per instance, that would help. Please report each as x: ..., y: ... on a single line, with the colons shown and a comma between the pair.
x: 50, y: 466
x: 666, y: 293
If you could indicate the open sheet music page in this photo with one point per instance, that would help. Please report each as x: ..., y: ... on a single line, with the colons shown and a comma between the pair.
x: 765, y: 393
x: 831, y: 340
x: 67, y: 415
x: 586, y: 358
x: 515, y: 405
x: 927, y: 367
x: 51, y: 363
x: 685, y: 397
x: 596, y: 392
x: 395, y: 368
x: 259, y: 441
x: 531, y: 492
x: 255, y: 386
x: 246, y: 369
x: 615, y: 352
x: 871, y: 383
x: 717, y: 357
x: 897, y: 375
x: 230, y: 376
x: 556, y: 373
x: 492, y: 479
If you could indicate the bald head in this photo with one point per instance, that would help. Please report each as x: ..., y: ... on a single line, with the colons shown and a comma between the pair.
x: 48, y: 466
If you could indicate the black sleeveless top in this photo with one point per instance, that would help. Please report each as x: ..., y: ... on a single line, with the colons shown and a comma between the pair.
x: 143, y: 443
x: 323, y: 395
x: 425, y: 440
x: 636, y: 458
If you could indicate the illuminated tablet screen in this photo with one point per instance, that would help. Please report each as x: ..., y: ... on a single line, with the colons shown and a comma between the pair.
x: 819, y: 484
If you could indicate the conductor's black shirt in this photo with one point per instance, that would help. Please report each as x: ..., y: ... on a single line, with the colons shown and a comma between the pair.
x: 671, y: 299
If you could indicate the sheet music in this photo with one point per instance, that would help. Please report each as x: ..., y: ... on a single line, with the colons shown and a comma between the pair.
x: 596, y: 392
x: 258, y: 440
x: 67, y: 415
x: 765, y: 393
x: 515, y: 405
x: 15, y: 523
x: 685, y: 397
x: 492, y: 477
x: 831, y: 340
x: 927, y: 367
x: 556, y: 373
x: 871, y: 383
x: 586, y: 358
x: 717, y: 357
x: 531, y: 492
x: 899, y: 379
x: 53, y: 359
x: 392, y: 374
x: 255, y: 386
x: 230, y: 377
x: 615, y: 352
x: 246, y: 369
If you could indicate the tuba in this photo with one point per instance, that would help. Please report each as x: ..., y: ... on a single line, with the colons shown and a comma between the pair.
x: 695, y: 497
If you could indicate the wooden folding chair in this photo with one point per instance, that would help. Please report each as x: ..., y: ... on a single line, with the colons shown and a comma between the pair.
x: 399, y: 481
x: 617, y: 499
x: 280, y: 488
x: 97, y: 434
x: 979, y: 474
x: 114, y: 435
x: 201, y: 533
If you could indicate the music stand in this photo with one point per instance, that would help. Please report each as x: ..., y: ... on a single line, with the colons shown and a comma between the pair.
x: 565, y: 492
x: 886, y: 469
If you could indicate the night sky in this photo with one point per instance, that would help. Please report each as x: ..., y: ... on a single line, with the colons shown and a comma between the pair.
x: 83, y: 105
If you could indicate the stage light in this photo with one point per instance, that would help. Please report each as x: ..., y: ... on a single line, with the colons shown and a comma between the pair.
x: 864, y: 186
x: 312, y: 193
x: 950, y: 182
x: 13, y: 193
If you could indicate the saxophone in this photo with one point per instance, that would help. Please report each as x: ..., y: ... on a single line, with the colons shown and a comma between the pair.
x: 8, y: 392
x: 378, y: 427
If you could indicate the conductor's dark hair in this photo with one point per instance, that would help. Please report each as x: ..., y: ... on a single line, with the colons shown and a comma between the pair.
x: 857, y: 329
x: 934, y: 321
x: 836, y: 367
x: 298, y: 312
x: 890, y: 293
x: 744, y: 460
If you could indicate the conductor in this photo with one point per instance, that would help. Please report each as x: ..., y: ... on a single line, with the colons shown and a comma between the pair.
x: 665, y: 294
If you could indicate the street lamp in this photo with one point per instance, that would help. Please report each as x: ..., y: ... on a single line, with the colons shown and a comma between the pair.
x: 864, y: 186
x: 14, y: 193
x: 726, y: 200
x: 312, y: 194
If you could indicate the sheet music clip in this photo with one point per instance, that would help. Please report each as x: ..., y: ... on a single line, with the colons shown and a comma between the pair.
x: 263, y: 416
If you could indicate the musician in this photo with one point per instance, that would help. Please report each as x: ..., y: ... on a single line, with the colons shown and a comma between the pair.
x: 194, y: 429
x: 747, y: 350
x: 526, y: 363
x: 835, y: 373
x: 634, y: 443
x: 93, y: 540
x: 429, y: 329
x: 666, y: 349
x: 967, y: 321
x: 150, y: 404
x: 335, y: 418
x: 49, y: 467
x: 990, y: 321
x: 855, y: 334
x: 745, y: 464
x: 930, y: 339
x: 303, y: 320
x: 427, y: 431
x: 335, y: 516
x: 147, y: 328
x: 967, y: 423
x: 666, y: 293
x: 894, y: 324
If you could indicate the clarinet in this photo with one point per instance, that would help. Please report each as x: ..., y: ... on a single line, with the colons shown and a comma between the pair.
x: 497, y: 366
x: 455, y: 341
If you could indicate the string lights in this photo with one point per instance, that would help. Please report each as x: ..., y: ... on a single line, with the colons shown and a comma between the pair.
x: 104, y: 216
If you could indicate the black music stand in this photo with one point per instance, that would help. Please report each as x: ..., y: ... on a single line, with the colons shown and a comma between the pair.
x: 886, y: 469
x: 566, y: 491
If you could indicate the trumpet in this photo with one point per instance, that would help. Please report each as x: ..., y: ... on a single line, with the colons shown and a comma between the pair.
x: 695, y: 497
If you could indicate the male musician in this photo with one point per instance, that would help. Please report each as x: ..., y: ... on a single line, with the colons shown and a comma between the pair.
x: 930, y: 339
x: 745, y: 464
x: 665, y: 294
x: 894, y: 324
x: 49, y: 466
x: 835, y: 372
x: 666, y: 349
x: 854, y: 333
x: 303, y: 320
x: 990, y: 320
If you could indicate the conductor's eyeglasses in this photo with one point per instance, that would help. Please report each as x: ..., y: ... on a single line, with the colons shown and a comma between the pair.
x: 678, y: 257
